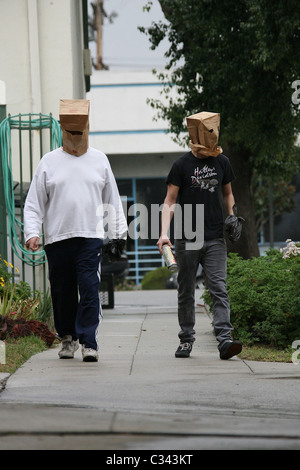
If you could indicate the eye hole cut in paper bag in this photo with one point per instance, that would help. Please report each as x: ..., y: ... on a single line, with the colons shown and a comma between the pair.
x: 74, y: 121
x: 204, y: 131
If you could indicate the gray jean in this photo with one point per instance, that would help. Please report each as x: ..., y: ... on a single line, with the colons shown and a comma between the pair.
x: 213, y: 258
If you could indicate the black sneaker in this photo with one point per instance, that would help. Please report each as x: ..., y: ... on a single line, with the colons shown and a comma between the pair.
x: 184, y: 350
x: 230, y: 349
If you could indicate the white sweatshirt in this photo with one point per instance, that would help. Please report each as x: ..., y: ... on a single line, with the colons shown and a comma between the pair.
x: 74, y: 197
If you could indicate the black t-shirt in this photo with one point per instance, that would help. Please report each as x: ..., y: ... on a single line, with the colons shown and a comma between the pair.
x: 200, y: 181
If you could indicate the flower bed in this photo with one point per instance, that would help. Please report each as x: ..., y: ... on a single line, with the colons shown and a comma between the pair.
x: 21, y: 309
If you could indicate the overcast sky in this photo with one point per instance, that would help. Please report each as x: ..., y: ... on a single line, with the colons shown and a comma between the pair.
x: 124, y: 46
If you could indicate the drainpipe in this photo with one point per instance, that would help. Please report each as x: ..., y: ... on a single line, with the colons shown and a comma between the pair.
x: 3, y: 225
x: 34, y: 56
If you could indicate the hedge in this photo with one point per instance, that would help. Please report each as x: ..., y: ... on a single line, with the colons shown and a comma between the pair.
x: 264, y: 296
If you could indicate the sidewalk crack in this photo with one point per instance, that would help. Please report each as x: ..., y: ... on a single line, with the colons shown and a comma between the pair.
x: 246, y: 364
x: 137, y: 344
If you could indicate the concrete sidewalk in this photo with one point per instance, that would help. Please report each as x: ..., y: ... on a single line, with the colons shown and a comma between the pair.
x: 140, y: 397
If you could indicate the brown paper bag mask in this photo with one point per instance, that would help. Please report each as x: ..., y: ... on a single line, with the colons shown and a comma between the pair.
x: 74, y: 121
x: 204, y: 130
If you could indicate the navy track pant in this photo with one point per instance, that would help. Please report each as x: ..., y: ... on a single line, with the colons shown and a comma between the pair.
x: 74, y: 275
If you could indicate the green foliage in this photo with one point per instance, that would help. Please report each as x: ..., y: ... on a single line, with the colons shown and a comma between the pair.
x: 264, y: 296
x: 44, y: 313
x: 283, y: 197
x: 5, y: 275
x: 155, y: 279
x: 239, y: 58
x: 17, y: 300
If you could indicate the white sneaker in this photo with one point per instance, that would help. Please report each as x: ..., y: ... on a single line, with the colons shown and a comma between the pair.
x: 68, y: 348
x: 89, y: 354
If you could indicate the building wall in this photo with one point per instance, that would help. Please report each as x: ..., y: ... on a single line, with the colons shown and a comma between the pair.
x: 41, y: 54
x: 122, y: 122
x: 142, y: 165
x: 42, y: 59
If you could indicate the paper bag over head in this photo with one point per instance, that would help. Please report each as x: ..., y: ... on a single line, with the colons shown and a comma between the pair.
x: 74, y: 118
x: 204, y: 131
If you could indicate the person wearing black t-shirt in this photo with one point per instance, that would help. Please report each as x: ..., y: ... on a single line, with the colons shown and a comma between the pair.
x: 199, y: 179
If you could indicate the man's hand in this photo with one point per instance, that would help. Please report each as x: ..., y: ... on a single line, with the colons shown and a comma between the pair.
x: 163, y: 240
x: 33, y: 244
x: 234, y: 225
x: 115, y: 249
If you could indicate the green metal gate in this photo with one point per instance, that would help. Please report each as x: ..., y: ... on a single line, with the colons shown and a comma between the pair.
x: 24, y: 139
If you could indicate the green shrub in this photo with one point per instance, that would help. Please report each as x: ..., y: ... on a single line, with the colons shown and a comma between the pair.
x: 17, y: 300
x: 156, y: 279
x: 264, y: 296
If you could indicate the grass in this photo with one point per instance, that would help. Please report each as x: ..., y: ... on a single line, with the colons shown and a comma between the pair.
x: 266, y: 354
x: 19, y: 350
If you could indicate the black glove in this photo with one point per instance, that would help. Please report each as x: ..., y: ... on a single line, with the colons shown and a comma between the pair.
x: 114, y: 248
x: 234, y: 225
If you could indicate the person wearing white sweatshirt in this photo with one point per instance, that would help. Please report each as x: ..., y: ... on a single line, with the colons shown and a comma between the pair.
x: 75, y: 197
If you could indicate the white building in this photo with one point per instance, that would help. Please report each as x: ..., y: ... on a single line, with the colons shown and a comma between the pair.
x: 42, y: 53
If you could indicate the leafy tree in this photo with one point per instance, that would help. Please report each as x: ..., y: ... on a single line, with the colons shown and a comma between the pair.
x: 282, y: 195
x: 239, y: 58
